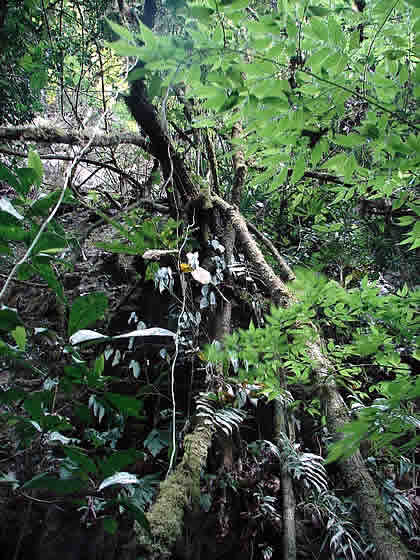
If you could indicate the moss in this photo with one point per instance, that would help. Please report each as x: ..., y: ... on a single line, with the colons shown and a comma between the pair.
x: 166, y: 516
x: 177, y: 492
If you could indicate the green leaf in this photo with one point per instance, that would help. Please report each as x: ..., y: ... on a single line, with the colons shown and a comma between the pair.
x: 298, y: 170
x: 136, y: 511
x: 35, y: 163
x: 50, y: 243
x: 46, y: 272
x: 318, y: 151
x: 316, y: 61
x: 12, y: 232
x: 340, y: 196
x: 11, y: 395
x: 9, y: 319
x: 19, y: 335
x: 27, y: 178
x: 9, y: 177
x: 129, y: 406
x: 110, y: 525
x: 5, y: 249
x: 99, y: 365
x: 318, y: 11
x: 80, y: 458
x: 335, y: 33
x: 354, y: 42
x: 318, y: 29
x: 86, y: 310
x: 350, y: 140
x: 201, y: 12
x: 337, y: 162
x: 120, y: 30
x: 122, y: 48
x: 155, y: 443
x: 119, y: 460
x: 59, y: 487
x: 42, y: 206
x: 406, y: 220
x: 8, y: 208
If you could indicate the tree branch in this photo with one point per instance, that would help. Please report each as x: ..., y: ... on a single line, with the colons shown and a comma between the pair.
x: 65, y: 157
x: 286, y: 272
x: 54, y: 135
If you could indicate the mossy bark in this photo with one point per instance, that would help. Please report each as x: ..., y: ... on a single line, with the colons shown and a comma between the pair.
x: 180, y: 490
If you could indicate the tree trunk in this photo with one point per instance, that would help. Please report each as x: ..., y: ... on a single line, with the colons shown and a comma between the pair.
x: 356, y: 476
x: 287, y: 493
x: 179, y: 491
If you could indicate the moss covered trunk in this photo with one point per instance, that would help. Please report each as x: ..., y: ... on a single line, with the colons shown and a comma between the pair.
x: 179, y: 491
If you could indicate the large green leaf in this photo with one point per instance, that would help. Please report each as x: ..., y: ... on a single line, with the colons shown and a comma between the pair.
x: 86, y: 310
x: 119, y: 460
x: 80, y: 457
x: 47, y: 272
x: 35, y: 163
x: 129, y: 406
x: 9, y: 177
x: 9, y: 319
x: 54, y: 484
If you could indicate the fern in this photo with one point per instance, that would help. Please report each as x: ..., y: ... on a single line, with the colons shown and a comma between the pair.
x: 225, y: 419
x: 400, y: 509
x: 307, y: 467
x: 344, y: 541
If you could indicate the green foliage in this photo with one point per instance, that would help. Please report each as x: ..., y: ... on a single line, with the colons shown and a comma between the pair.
x: 400, y: 509
x: 306, y: 468
x: 32, y: 415
x: 366, y: 333
x: 85, y: 310
x: 22, y: 69
x: 327, y: 98
x: 211, y: 412
x: 317, y: 89
x: 156, y: 441
x: 137, y: 235
x: 389, y: 419
x: 341, y: 536
x: 20, y: 224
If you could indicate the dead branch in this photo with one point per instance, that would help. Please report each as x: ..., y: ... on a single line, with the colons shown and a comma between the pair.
x: 55, y: 135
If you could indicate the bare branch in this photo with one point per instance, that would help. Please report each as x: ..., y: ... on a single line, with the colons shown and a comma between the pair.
x: 54, y: 135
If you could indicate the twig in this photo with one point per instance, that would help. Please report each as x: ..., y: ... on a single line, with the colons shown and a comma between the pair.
x: 177, y: 337
x: 67, y: 179
x: 25, y: 282
x: 285, y: 271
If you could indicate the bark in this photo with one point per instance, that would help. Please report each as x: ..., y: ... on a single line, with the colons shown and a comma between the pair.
x: 357, y: 477
x: 285, y: 271
x: 278, y: 290
x: 211, y: 157
x: 287, y: 493
x: 173, y: 166
x: 55, y: 135
x: 239, y: 166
